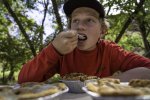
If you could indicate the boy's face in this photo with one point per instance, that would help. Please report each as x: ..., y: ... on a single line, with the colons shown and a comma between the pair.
x: 86, y: 21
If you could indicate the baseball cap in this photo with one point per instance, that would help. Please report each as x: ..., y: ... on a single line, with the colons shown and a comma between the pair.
x: 71, y: 5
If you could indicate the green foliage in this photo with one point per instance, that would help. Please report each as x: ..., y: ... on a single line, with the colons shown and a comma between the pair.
x: 14, y: 49
x: 132, y: 41
x: 116, y: 22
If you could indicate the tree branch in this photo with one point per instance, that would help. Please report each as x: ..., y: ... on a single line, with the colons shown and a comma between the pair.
x: 6, y: 4
x: 58, y: 18
x: 127, y: 23
x: 43, y: 21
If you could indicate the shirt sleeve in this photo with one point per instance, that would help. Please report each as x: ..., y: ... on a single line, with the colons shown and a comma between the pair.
x: 37, y: 69
x: 123, y: 60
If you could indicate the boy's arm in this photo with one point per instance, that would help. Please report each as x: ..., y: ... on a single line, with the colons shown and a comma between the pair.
x: 131, y: 66
x: 136, y: 73
x: 37, y: 69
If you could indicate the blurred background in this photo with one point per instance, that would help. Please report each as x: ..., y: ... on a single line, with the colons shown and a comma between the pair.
x: 27, y: 26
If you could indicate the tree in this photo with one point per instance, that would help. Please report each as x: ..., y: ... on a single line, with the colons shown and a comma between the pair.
x: 22, y: 37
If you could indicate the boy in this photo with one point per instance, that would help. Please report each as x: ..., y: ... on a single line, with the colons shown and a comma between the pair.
x: 80, y: 49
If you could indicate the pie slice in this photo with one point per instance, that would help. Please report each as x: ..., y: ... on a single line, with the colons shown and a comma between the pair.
x: 140, y: 83
x: 33, y: 90
x: 113, y: 87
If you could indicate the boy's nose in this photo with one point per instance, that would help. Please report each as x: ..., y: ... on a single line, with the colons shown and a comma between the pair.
x: 81, y: 25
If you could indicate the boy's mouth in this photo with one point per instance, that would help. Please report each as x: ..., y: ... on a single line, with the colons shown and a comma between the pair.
x: 82, y: 37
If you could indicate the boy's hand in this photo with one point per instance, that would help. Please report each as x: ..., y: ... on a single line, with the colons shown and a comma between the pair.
x: 65, y: 42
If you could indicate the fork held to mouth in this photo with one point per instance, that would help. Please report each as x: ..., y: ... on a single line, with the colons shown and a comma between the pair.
x: 82, y: 37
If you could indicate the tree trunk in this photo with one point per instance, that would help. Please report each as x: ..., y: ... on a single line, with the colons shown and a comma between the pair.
x: 129, y: 20
x: 5, y: 2
x: 46, y: 3
x: 143, y: 33
x: 11, y: 74
x: 3, y: 71
x: 58, y: 18
x: 144, y: 37
x: 143, y: 25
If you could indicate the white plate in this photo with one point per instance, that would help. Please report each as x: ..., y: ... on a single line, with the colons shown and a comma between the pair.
x: 44, y: 86
x: 75, y: 86
x: 96, y: 96
x: 53, y: 96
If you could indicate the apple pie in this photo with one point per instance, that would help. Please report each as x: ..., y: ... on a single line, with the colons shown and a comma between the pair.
x: 78, y: 76
x: 113, y: 87
x: 32, y: 90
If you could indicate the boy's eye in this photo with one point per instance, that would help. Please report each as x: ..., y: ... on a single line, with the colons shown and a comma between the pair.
x: 75, y: 21
x: 87, y: 21
x: 90, y: 20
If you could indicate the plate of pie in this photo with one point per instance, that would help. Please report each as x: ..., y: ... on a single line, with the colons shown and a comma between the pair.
x: 34, y: 90
x: 75, y: 81
x: 113, y: 89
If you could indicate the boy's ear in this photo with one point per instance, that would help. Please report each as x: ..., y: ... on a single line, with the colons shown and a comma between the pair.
x: 105, y: 26
x: 103, y: 32
x: 104, y: 29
